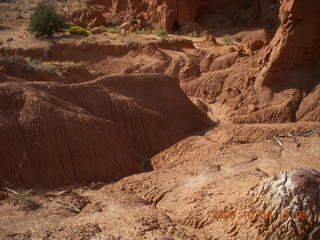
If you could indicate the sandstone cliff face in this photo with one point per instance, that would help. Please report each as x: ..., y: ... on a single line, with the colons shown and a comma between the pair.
x: 291, y: 61
x: 53, y: 134
x: 276, y: 82
x: 296, y: 43
x: 162, y: 14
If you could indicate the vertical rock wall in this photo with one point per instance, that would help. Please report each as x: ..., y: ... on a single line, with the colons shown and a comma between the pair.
x: 296, y: 43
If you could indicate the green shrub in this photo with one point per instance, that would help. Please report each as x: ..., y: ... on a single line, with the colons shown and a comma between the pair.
x: 88, y: 28
x: 193, y: 34
x: 112, y: 30
x: 44, y: 20
x: 139, y: 32
x: 78, y: 31
x: 227, y: 39
x: 161, y: 33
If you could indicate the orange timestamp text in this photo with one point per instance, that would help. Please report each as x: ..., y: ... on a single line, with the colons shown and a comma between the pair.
x: 232, y: 214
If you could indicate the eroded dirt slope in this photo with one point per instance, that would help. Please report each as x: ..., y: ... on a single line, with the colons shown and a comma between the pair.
x: 55, y: 134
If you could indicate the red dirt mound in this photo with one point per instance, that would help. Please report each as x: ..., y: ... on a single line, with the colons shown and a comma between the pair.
x: 54, y: 134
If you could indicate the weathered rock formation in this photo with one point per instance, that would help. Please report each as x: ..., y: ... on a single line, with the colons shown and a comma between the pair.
x: 54, y: 134
x: 287, y: 206
x: 265, y: 81
x: 296, y: 43
x: 291, y: 61
x: 165, y: 14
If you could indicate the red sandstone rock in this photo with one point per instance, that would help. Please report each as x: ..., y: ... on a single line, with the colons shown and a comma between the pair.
x: 286, y: 206
x: 164, y: 14
x: 296, y: 42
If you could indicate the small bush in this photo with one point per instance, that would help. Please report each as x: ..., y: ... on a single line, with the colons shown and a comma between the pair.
x: 23, y: 199
x: 226, y: 39
x: 161, y: 33
x: 44, y: 20
x: 133, y: 21
x: 10, y: 59
x: 54, y: 67
x: 77, y: 30
x: 139, y: 32
x: 193, y: 34
x: 112, y: 30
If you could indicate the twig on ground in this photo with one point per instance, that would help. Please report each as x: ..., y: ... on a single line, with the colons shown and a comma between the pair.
x: 69, y: 206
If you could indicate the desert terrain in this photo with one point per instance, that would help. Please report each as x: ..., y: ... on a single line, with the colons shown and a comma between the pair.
x: 161, y: 120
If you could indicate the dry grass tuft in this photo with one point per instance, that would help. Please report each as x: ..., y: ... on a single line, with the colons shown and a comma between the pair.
x: 51, y: 66
x: 22, y: 199
x: 227, y: 39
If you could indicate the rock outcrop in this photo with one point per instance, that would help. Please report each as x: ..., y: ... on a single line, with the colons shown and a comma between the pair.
x: 292, y: 59
x: 267, y: 81
x: 164, y: 14
x: 296, y: 43
x: 286, y: 206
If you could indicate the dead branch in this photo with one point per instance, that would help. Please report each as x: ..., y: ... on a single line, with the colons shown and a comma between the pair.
x: 12, y: 191
x: 69, y: 206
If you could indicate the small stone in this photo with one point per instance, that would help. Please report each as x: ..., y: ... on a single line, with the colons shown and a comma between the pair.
x: 251, y: 108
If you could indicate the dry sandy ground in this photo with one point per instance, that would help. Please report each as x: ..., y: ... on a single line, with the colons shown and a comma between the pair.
x: 191, y: 180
